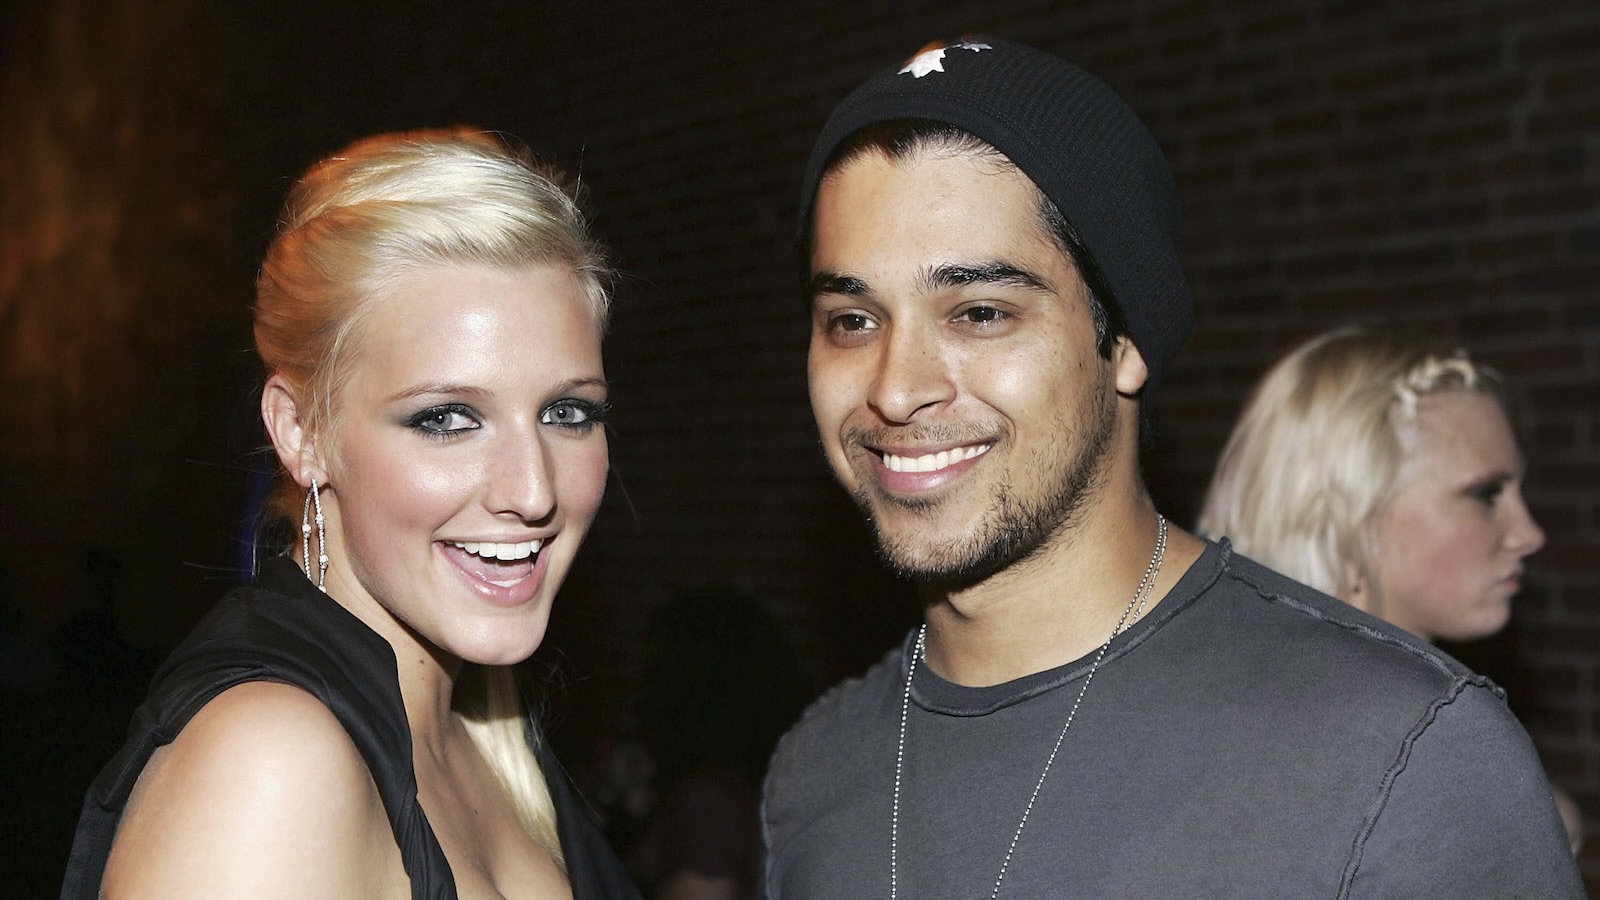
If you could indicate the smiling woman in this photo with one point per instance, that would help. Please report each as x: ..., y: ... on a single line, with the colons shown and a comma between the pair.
x: 430, y: 317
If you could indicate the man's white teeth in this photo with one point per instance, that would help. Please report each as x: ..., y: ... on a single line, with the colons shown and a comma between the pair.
x: 503, y: 552
x: 933, y: 462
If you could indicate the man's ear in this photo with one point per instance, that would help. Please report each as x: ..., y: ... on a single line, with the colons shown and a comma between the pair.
x: 1130, y: 370
x: 291, y: 437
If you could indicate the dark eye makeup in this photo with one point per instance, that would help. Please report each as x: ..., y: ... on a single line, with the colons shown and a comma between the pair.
x: 444, y: 420
x: 576, y: 413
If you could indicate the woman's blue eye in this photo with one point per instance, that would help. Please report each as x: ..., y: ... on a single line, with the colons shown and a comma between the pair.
x: 575, y: 414
x: 443, y: 420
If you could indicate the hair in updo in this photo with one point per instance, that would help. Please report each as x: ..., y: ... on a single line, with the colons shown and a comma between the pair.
x: 1317, y: 453
x: 385, y: 207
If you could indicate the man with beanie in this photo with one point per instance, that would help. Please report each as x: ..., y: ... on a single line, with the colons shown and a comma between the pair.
x: 1099, y: 704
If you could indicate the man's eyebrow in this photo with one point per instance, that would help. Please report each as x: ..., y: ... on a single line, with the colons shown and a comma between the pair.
x: 999, y: 274
x: 826, y: 282
x: 934, y: 278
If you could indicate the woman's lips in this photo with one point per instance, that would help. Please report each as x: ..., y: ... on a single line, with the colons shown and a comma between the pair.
x: 502, y: 573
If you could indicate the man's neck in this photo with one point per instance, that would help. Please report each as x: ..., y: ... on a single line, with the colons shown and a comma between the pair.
x: 1058, y: 605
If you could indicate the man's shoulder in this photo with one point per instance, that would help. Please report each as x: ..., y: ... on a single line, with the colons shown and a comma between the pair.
x: 833, y: 759
x: 846, y: 703
x: 1324, y: 626
x: 1246, y: 576
x: 818, y: 749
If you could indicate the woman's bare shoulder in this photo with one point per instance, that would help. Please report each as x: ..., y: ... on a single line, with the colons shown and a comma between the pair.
x: 263, y: 793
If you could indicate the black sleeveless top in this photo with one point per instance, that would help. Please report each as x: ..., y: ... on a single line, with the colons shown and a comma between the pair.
x: 283, y: 629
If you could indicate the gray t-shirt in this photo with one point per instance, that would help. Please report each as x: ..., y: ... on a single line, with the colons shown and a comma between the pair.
x: 1250, y: 737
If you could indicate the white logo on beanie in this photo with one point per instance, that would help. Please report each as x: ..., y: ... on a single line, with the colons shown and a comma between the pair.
x: 932, y: 59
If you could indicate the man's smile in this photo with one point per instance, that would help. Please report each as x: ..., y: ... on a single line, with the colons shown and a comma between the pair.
x: 933, y: 462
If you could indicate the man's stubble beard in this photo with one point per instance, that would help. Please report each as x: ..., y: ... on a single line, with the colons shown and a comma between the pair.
x: 1012, y: 529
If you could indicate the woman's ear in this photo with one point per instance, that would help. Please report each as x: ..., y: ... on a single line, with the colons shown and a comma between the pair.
x: 290, y: 435
x: 1356, y: 590
x: 1131, y: 371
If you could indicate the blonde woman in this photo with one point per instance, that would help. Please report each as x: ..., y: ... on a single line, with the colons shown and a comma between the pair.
x: 429, y: 316
x: 1381, y: 468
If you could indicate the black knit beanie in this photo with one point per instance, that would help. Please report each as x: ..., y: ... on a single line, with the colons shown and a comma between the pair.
x: 1079, y: 143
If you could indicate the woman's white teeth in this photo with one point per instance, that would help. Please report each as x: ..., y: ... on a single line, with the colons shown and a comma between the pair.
x: 933, y: 462
x: 503, y: 552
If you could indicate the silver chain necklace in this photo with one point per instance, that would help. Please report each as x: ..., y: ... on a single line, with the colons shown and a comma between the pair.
x: 1141, y: 594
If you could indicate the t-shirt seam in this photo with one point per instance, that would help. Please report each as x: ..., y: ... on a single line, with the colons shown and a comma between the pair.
x: 1432, y: 658
x: 1380, y: 799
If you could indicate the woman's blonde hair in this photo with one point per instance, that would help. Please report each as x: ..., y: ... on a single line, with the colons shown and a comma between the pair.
x: 353, y: 225
x: 383, y: 208
x: 1316, y: 453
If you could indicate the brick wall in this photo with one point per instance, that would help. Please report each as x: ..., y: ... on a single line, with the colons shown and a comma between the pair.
x: 1434, y: 162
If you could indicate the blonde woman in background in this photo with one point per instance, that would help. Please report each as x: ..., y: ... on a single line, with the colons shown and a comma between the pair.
x: 1382, y: 469
x: 429, y: 316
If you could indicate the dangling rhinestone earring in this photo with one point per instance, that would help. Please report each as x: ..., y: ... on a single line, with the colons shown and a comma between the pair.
x: 313, y: 497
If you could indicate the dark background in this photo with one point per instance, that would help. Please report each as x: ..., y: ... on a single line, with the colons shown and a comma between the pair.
x: 1434, y: 163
